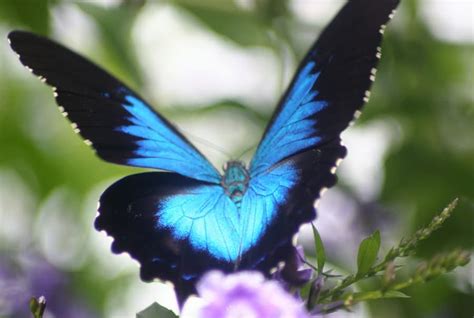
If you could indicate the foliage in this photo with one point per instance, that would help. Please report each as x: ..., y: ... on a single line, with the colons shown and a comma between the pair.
x: 338, y: 297
x: 155, y: 310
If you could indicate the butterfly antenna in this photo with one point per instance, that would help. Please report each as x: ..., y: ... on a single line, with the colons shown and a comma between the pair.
x: 207, y: 143
x: 246, y: 151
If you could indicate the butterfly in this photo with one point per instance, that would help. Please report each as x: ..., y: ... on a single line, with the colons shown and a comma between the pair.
x: 188, y: 218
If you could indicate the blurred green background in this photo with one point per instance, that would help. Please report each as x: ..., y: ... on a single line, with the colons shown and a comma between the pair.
x: 217, y: 69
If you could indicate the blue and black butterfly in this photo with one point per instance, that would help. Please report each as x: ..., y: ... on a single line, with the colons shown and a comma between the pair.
x: 191, y: 218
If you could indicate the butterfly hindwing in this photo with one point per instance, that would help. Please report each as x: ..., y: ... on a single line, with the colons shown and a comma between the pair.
x: 115, y: 121
x: 197, y: 217
x: 308, y: 173
x: 129, y: 211
x: 178, y: 228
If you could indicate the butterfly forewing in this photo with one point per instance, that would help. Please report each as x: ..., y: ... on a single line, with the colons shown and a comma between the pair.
x: 120, y: 126
x: 331, y: 84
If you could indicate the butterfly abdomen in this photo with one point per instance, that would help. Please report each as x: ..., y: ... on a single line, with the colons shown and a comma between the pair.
x: 235, y: 181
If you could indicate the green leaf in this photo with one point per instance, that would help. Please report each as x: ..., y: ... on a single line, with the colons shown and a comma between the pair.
x: 34, y: 306
x: 367, y: 254
x: 394, y: 294
x: 320, y: 253
x: 37, y: 306
x: 375, y: 294
x: 33, y: 14
x: 156, y: 311
x: 225, y: 19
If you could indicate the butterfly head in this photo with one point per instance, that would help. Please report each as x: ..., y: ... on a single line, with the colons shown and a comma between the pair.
x: 235, y: 180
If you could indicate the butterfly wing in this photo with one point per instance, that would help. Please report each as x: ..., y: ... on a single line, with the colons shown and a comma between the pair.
x: 115, y: 121
x: 184, y: 214
x: 331, y: 84
x: 285, y: 194
x: 176, y: 227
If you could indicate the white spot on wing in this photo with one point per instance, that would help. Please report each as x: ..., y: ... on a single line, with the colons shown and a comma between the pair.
x: 88, y: 142
x: 391, y: 15
x: 294, y: 239
x: 74, y: 125
x: 373, y: 71
x: 321, y: 192
x: 77, y: 130
x: 63, y: 112
x: 379, y: 52
x: 316, y: 204
x: 367, y: 96
x: 382, y: 29
x: 357, y: 114
x: 338, y: 162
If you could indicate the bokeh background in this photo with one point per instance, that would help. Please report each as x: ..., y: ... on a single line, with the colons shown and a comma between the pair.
x: 216, y: 68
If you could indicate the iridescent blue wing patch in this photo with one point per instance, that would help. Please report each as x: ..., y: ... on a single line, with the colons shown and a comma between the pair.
x: 115, y: 121
x: 293, y: 128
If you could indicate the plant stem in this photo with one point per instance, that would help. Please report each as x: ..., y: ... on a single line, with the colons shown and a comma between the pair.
x: 403, y: 249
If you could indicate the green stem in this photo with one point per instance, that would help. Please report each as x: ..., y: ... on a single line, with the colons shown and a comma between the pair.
x: 403, y: 249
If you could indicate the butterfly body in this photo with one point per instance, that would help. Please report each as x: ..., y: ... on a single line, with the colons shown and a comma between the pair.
x: 235, y: 181
x: 189, y: 218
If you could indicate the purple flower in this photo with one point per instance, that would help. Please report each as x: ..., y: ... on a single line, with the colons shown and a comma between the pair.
x: 27, y: 275
x: 245, y: 294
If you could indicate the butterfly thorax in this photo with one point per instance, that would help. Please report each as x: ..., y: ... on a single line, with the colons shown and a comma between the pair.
x: 235, y: 180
